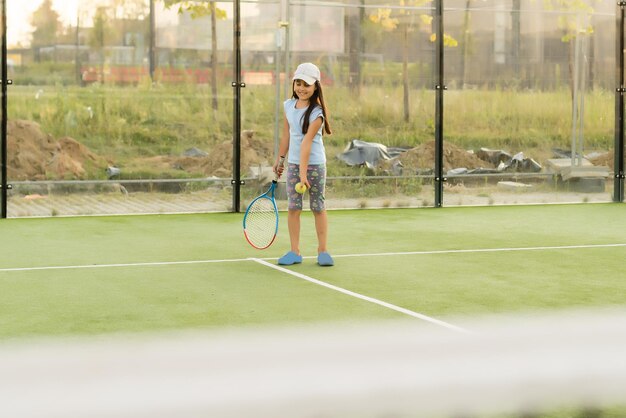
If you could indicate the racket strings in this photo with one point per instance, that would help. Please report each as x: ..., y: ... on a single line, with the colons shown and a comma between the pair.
x: 261, y: 223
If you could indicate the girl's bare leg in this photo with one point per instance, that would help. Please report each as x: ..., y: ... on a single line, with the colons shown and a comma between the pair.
x: 321, y: 227
x: 293, y: 223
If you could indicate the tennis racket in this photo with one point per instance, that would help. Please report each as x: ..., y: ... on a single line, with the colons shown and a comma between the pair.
x: 260, y: 223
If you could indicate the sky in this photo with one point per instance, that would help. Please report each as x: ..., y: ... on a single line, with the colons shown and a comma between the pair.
x: 19, y: 15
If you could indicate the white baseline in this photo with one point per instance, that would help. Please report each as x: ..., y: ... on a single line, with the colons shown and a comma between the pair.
x: 231, y: 260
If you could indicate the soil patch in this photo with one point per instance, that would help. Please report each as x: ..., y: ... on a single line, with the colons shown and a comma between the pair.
x: 423, y: 157
x: 35, y: 155
x: 606, y: 159
x: 254, y: 152
x: 219, y: 161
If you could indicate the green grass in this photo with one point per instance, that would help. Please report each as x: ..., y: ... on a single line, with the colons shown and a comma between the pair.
x: 137, y: 298
x: 133, y: 122
x: 148, y: 298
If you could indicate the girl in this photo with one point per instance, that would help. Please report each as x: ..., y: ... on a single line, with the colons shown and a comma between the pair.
x: 306, y: 119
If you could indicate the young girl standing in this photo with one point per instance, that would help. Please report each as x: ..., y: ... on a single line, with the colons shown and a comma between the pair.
x: 306, y: 119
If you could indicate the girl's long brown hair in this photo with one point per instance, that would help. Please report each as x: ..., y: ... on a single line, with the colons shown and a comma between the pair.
x: 317, y: 99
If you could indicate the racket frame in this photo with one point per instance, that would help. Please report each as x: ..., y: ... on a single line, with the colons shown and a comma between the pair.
x: 269, y: 194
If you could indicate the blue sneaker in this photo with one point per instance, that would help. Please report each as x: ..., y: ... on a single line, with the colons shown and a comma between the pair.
x: 289, y: 259
x: 324, y: 259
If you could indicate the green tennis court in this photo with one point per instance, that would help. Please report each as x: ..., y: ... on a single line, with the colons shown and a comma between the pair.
x: 93, y: 275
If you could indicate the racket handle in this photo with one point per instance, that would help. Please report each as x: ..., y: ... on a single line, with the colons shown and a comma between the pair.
x: 281, y: 164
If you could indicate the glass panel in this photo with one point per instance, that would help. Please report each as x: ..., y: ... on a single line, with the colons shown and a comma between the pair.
x: 99, y: 122
x: 602, y: 83
x: 261, y: 107
x: 103, y: 123
x: 4, y: 74
x: 529, y: 108
x: 618, y: 187
x: 377, y: 73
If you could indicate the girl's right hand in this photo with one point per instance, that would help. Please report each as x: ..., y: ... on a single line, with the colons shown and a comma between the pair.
x: 277, y: 168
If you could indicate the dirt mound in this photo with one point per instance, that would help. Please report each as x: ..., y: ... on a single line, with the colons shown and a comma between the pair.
x: 607, y: 159
x: 253, y: 152
x: 219, y: 162
x: 35, y: 155
x: 423, y: 157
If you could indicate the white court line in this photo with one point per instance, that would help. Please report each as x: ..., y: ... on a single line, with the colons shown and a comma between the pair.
x: 363, y: 297
x: 481, y: 250
x: 229, y: 260
x: 95, y: 266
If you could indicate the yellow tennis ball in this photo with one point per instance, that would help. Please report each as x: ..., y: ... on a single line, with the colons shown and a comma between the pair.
x: 300, y: 188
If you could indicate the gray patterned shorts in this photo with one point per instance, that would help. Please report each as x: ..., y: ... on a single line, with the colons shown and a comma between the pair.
x: 316, y: 175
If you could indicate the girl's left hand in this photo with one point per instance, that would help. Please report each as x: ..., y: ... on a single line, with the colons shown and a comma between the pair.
x: 305, y: 181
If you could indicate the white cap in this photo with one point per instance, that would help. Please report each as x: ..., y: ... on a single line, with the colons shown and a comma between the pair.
x: 307, y: 72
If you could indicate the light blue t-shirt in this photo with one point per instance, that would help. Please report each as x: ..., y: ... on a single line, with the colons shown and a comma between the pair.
x: 294, y: 117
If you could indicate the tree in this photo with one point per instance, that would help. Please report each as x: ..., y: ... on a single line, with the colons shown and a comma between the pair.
x: 406, y: 20
x: 97, y: 38
x: 354, y: 21
x: 129, y: 19
x: 130, y: 9
x: 574, y: 21
x: 47, y: 25
x: 576, y: 28
x: 516, y: 35
x: 465, y: 41
x: 199, y: 9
